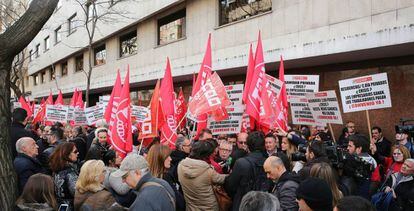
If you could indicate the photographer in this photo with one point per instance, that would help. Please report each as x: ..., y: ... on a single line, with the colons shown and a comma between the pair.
x: 358, y: 165
x: 315, y: 153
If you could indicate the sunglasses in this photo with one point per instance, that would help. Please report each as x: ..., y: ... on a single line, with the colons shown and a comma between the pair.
x: 242, y: 142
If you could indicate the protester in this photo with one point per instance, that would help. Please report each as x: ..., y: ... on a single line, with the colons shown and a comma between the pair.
x: 152, y: 193
x: 42, y: 142
x: 159, y: 162
x: 38, y: 194
x: 223, y: 157
x: 248, y: 173
x: 240, y: 149
x: 205, y: 134
x: 314, y: 194
x: 289, y: 149
x: 17, y: 129
x: 324, y: 171
x: 271, y: 144
x: 197, y: 177
x: 347, y: 131
x: 211, y: 161
x: 26, y: 163
x: 101, y: 123
x: 54, y: 139
x: 182, y: 150
x: 401, y: 184
x: 382, y: 144
x: 285, y: 183
x: 257, y: 200
x: 232, y: 138
x: 65, y: 172
x: 402, y: 139
x: 90, y: 191
x: 112, y: 159
x: 79, y: 138
x: 315, y: 153
x: 354, y: 203
x: 99, y: 146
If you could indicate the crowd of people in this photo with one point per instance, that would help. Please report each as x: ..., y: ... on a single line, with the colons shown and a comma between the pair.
x: 66, y: 167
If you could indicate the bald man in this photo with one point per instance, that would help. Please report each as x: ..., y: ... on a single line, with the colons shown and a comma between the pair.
x: 285, y: 183
x: 240, y: 149
x: 26, y: 163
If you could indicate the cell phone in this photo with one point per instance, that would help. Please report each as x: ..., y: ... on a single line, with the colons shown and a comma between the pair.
x: 64, y: 207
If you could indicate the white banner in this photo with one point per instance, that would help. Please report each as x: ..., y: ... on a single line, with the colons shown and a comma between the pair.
x: 324, y: 107
x: 94, y: 114
x: 17, y: 105
x: 235, y: 93
x: 301, y: 113
x: 300, y: 85
x: 231, y: 125
x: 139, y: 112
x: 56, y: 113
x: 79, y: 116
x: 275, y: 85
x: 365, y: 93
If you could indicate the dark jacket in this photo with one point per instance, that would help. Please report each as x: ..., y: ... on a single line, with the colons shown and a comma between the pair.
x: 404, y: 191
x: 89, y: 139
x: 305, y: 171
x: 175, y: 185
x: 45, y: 155
x: 96, y: 151
x: 153, y: 197
x: 236, y: 183
x: 18, y: 131
x: 236, y: 154
x: 25, y: 167
x: 285, y: 191
x: 42, y: 144
x: 80, y: 144
x: 65, y: 181
x: 383, y: 147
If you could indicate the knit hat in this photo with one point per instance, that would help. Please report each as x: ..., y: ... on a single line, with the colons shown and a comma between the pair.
x: 316, y: 193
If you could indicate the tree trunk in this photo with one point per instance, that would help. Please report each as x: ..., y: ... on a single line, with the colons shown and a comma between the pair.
x: 13, y: 41
x: 16, y: 89
x: 89, y: 73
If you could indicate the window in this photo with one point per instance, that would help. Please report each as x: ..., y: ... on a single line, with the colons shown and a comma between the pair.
x: 37, y: 50
x: 100, y: 55
x: 64, y: 67
x: 128, y: 44
x: 58, y: 36
x: 73, y: 23
x: 52, y: 74
x: 43, y: 76
x: 171, y: 28
x: 234, y: 10
x: 79, y: 63
x: 31, y: 55
x: 47, y: 43
x: 35, y: 79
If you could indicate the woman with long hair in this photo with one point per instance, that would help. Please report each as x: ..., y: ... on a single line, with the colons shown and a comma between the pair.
x: 324, y: 171
x: 65, y: 172
x: 38, y: 194
x: 159, y: 163
x: 289, y: 148
x: 90, y: 192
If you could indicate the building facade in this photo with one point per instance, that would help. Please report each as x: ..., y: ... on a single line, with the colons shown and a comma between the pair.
x: 336, y: 39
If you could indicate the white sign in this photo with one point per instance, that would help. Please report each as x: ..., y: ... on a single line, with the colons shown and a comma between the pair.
x: 94, y: 114
x: 301, y: 113
x: 139, y: 112
x: 79, y: 116
x: 275, y: 84
x: 300, y: 85
x: 71, y: 113
x: 17, y: 105
x: 324, y: 107
x: 231, y: 125
x: 56, y: 113
x: 235, y: 93
x: 36, y: 108
x: 365, y: 93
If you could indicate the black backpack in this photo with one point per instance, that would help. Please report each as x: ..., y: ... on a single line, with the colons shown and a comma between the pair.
x: 258, y: 180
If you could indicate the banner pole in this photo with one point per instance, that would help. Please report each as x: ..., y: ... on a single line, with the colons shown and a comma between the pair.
x: 140, y: 146
x: 332, y: 132
x: 369, y: 125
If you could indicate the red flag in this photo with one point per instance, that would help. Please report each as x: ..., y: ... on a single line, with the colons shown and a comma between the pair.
x: 283, y: 115
x: 249, y: 75
x: 59, y: 99
x: 116, y: 91
x: 253, y: 95
x: 155, y: 117
x: 168, y: 130
x: 74, y: 98
x: 25, y: 106
x: 39, y: 117
x: 181, y: 109
x: 121, y: 132
x: 42, y: 101
x: 49, y: 100
x: 79, y: 100
x: 212, y: 96
x: 268, y: 106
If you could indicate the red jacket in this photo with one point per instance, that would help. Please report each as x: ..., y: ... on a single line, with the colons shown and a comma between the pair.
x: 389, y: 165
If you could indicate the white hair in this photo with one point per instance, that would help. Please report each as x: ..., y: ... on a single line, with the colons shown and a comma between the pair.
x: 410, y: 160
x: 21, y: 143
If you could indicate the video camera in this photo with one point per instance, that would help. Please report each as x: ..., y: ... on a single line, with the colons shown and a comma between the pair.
x: 405, y: 128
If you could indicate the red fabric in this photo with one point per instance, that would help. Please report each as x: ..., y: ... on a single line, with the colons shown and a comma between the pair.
x: 283, y: 116
x: 181, y: 109
x: 268, y: 108
x: 215, y: 165
x: 155, y: 118
x: 254, y: 92
x: 376, y: 175
x: 79, y: 100
x: 59, y: 99
x: 168, y: 130
x: 74, y: 98
x: 116, y: 91
x: 42, y: 111
x: 121, y: 132
x: 249, y: 75
x: 25, y: 106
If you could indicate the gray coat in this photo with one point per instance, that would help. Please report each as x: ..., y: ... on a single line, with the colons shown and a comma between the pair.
x: 285, y: 191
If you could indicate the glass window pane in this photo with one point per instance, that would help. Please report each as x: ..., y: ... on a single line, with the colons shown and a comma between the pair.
x: 234, y: 10
x: 128, y: 44
x: 172, y: 27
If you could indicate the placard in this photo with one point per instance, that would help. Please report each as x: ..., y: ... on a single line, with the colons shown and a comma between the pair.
x: 235, y: 93
x: 94, y: 114
x: 300, y: 85
x: 79, y: 116
x: 275, y: 84
x: 365, y: 93
x: 56, y: 113
x: 324, y: 107
x: 231, y: 125
x: 301, y: 113
x: 139, y: 112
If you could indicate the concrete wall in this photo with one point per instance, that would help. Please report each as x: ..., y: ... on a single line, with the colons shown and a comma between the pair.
x: 298, y: 29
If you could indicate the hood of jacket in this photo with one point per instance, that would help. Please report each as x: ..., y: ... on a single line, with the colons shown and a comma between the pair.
x: 193, y: 168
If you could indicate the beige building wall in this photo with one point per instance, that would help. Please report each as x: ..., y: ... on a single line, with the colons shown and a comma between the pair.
x: 298, y: 29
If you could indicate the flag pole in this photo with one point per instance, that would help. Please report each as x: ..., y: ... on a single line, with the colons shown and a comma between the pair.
x: 332, y: 132
x: 140, y: 146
